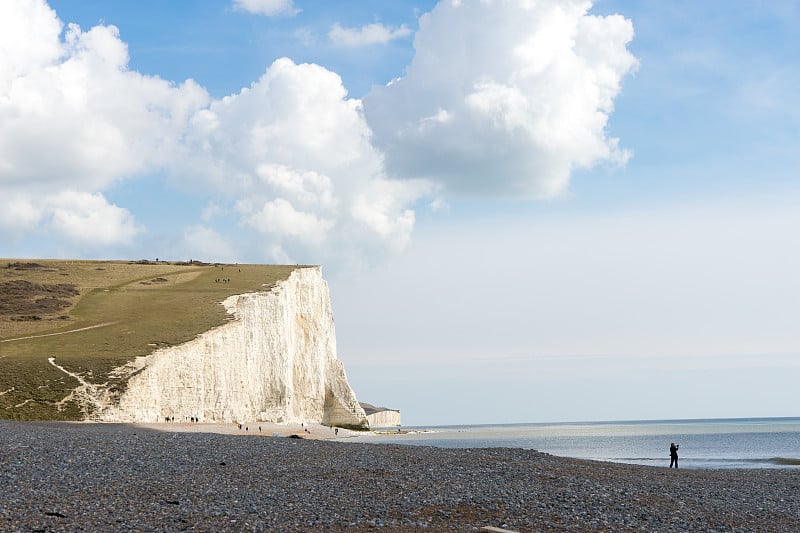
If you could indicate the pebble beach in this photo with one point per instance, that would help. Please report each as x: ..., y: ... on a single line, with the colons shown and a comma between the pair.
x: 115, y: 477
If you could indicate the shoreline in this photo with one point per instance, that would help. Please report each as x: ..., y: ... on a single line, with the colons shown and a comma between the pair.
x: 316, y: 431
x: 84, y: 476
x: 306, y: 430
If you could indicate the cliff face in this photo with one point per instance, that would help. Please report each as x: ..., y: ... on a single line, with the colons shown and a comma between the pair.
x: 379, y: 417
x: 275, y: 362
x: 384, y: 419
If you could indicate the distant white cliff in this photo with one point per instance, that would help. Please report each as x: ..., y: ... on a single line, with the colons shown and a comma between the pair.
x: 275, y: 362
x: 381, y: 417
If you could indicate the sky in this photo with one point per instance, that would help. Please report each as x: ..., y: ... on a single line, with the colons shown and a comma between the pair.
x: 526, y: 211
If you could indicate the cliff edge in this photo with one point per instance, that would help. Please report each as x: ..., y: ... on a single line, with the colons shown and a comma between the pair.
x: 274, y: 362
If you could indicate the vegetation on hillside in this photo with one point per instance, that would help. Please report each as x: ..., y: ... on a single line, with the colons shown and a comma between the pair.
x: 95, y: 316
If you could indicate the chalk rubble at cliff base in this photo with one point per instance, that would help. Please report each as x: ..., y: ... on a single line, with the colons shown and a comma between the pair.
x: 112, y: 477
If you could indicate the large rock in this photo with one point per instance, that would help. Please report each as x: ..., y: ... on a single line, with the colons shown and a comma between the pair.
x: 275, y: 362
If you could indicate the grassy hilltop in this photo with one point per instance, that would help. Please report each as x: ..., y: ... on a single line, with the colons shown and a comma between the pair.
x: 94, y: 316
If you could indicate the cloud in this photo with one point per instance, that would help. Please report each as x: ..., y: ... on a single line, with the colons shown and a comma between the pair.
x: 25, y: 43
x: 84, y: 217
x: 79, y: 217
x: 504, y: 98
x: 280, y: 217
x: 292, y: 153
x: 289, y: 156
x: 72, y: 115
x: 501, y: 98
x: 266, y: 7
x: 18, y: 213
x: 375, y: 33
x: 381, y: 207
x: 208, y: 244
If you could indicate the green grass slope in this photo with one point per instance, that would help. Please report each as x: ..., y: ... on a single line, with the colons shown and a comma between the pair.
x: 94, y: 316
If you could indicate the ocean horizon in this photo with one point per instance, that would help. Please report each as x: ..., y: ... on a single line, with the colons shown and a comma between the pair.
x: 704, y: 443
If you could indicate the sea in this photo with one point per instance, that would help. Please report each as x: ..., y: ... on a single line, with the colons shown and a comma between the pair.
x: 704, y: 444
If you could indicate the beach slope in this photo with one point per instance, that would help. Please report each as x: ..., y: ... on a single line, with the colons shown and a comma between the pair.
x: 113, y: 477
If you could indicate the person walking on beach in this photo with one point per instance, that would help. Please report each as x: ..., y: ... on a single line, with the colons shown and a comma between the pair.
x: 673, y: 454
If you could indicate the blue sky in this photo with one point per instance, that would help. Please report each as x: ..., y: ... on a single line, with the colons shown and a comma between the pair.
x: 567, y: 211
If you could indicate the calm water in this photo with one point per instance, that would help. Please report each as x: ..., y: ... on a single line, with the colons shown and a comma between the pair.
x: 722, y: 443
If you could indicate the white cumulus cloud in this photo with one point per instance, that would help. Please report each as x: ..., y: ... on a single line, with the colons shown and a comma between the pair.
x: 293, y: 153
x: 18, y: 213
x: 289, y: 155
x: 26, y: 28
x: 72, y: 115
x: 375, y: 33
x: 89, y: 218
x: 504, y: 98
x: 280, y: 217
x: 501, y: 97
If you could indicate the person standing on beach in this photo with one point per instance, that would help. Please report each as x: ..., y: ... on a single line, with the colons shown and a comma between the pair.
x: 673, y: 454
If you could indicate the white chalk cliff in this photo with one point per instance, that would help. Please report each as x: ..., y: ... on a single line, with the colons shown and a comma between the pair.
x: 379, y: 417
x: 274, y: 362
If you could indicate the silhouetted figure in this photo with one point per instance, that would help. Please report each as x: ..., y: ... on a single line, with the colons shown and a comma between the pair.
x: 673, y: 454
